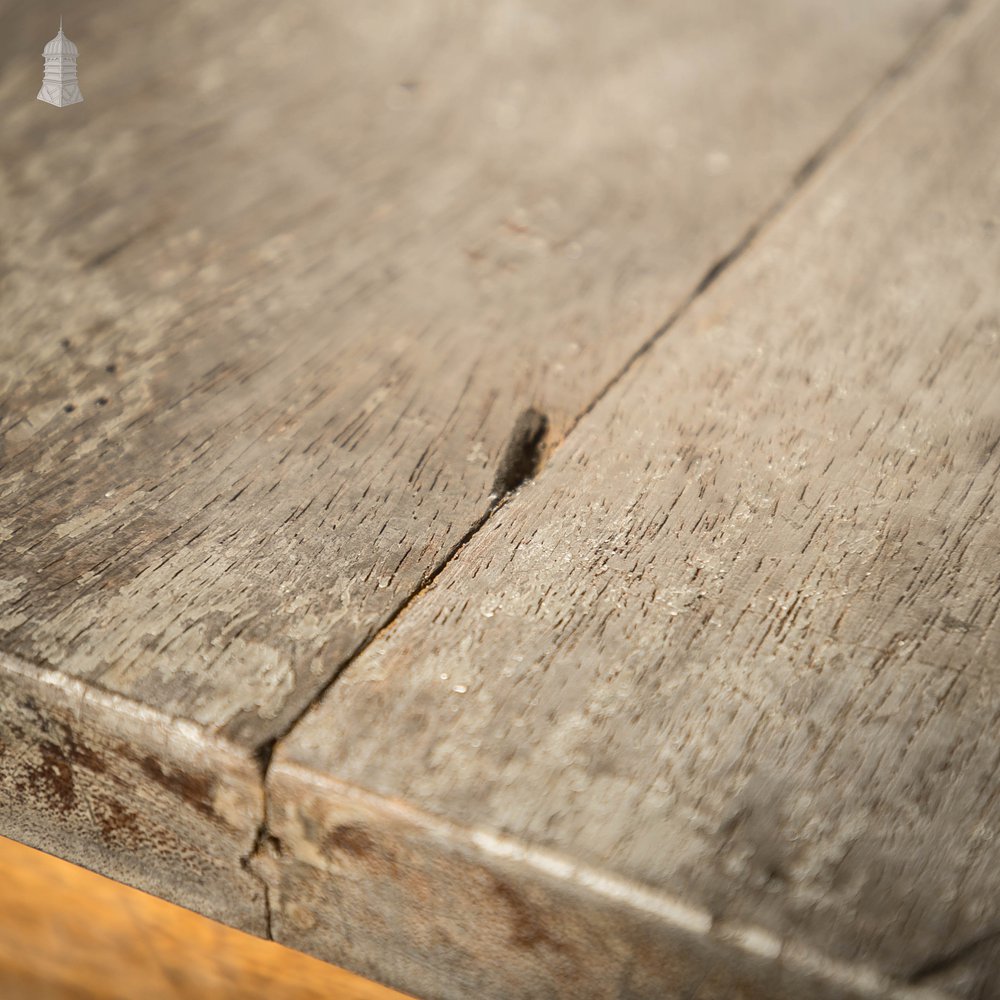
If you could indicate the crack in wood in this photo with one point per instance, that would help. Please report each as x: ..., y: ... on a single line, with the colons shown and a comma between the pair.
x: 521, y: 459
x: 937, y: 965
x: 265, y: 846
x: 521, y: 462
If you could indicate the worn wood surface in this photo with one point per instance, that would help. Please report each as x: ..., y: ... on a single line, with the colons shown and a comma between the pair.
x: 300, y: 281
x: 276, y: 303
x: 68, y: 934
x: 724, y: 679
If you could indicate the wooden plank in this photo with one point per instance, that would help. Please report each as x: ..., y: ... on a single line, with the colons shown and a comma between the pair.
x: 127, y: 791
x: 276, y: 298
x: 712, y: 705
x: 68, y: 934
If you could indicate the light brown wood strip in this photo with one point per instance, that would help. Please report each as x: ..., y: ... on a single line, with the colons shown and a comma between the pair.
x: 68, y: 934
x: 728, y: 669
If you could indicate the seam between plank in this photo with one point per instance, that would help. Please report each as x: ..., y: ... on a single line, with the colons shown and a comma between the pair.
x: 935, y: 39
x: 916, y: 57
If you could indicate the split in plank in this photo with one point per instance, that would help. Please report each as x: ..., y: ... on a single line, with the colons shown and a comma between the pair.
x: 274, y: 299
x: 712, y: 705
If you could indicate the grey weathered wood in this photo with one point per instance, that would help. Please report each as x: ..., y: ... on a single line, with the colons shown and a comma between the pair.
x: 273, y: 301
x: 712, y: 706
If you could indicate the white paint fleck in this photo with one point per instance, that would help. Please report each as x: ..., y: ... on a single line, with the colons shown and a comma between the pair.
x: 477, y: 454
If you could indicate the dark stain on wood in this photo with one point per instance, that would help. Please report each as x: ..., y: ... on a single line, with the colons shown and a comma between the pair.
x: 118, y: 824
x: 528, y: 929
x: 81, y: 754
x: 53, y: 778
x: 349, y: 838
x: 194, y: 789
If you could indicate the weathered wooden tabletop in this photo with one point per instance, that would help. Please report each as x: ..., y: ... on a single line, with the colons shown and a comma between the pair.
x: 503, y: 496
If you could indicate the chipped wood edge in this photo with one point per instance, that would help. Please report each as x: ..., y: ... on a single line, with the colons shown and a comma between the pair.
x: 124, y: 790
x: 421, y: 903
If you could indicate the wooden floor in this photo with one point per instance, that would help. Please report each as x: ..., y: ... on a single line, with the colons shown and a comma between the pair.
x: 68, y: 934
x: 503, y: 497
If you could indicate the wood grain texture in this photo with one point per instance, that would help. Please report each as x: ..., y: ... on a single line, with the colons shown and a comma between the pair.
x: 274, y: 300
x: 68, y: 934
x: 730, y: 663
x: 325, y: 313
